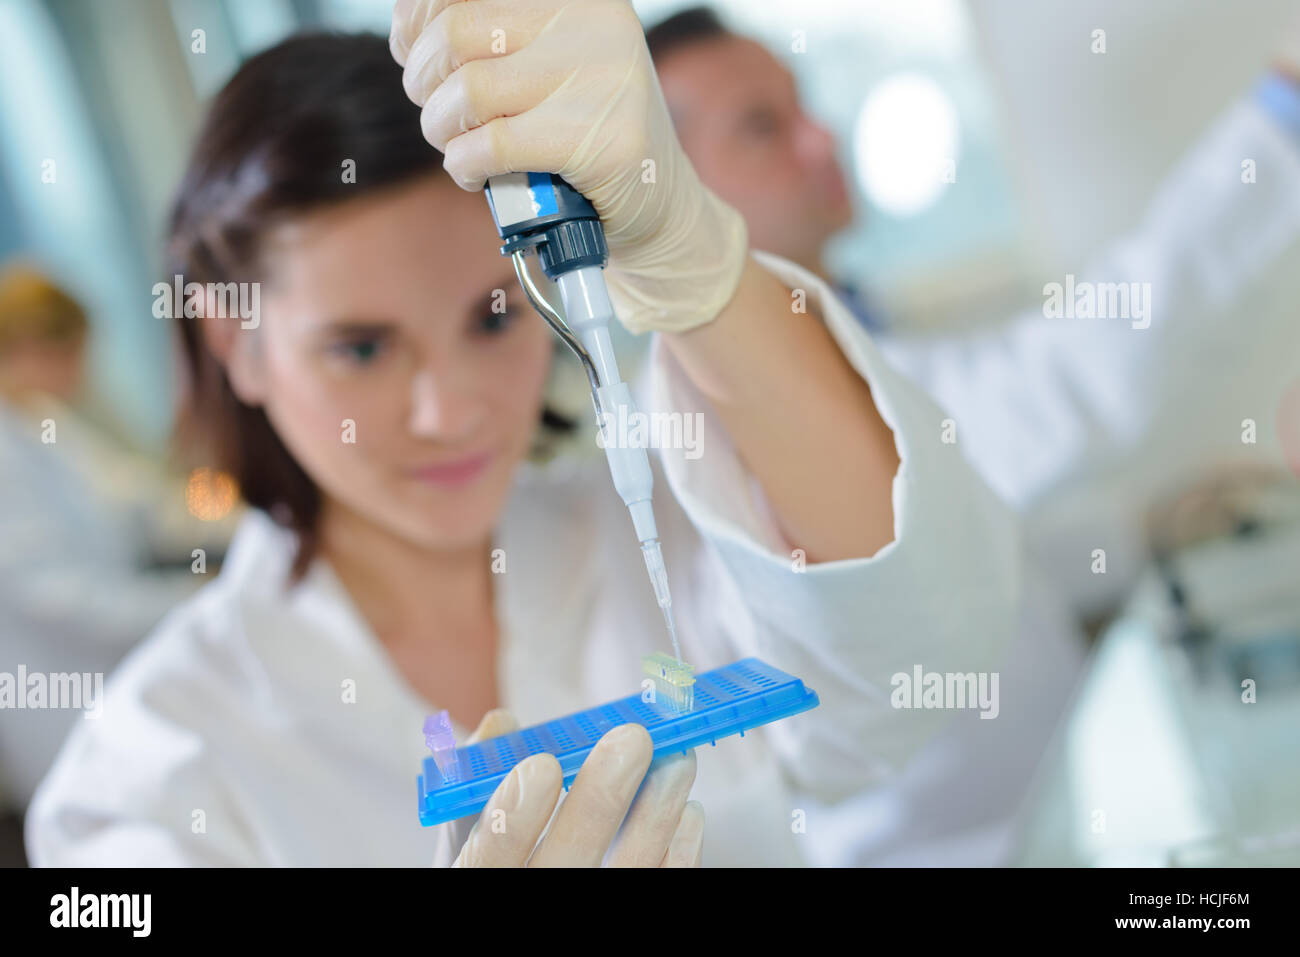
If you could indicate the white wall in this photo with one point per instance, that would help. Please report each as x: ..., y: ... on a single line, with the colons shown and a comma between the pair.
x: 1092, y: 134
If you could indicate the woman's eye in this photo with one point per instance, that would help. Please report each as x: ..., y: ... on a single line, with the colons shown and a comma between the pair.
x: 359, y: 351
x: 495, y: 323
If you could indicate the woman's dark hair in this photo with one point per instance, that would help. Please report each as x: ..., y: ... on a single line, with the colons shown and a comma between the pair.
x: 273, y: 145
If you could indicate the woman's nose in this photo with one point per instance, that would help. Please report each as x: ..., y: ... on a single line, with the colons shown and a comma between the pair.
x: 442, y: 407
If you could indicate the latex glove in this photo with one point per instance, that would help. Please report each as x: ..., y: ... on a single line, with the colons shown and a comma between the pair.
x: 452, y: 835
x: 567, y: 87
x: 614, y: 812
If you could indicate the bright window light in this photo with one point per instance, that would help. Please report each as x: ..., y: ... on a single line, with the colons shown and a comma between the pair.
x: 906, y: 143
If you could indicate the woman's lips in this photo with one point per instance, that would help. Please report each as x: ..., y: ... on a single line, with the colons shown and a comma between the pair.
x: 456, y: 472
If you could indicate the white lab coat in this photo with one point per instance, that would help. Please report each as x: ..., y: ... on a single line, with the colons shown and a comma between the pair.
x: 228, y: 737
x: 1083, y: 424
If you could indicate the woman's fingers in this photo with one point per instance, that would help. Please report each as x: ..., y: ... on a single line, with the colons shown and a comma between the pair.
x: 495, y: 723
x: 532, y: 141
x: 511, y: 823
x: 687, y: 845
x: 453, y: 834
x: 653, y: 819
x: 615, y: 811
x: 467, y: 31
x: 477, y: 93
x: 537, y: 85
x: 440, y: 48
x: 481, y: 89
x: 410, y: 17
x: 598, y: 801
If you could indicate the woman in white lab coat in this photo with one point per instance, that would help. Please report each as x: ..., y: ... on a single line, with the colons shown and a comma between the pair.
x: 404, y: 555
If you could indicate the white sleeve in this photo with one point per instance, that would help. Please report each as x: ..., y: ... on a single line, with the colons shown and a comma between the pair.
x: 137, y: 787
x: 1044, y: 402
x: 942, y: 595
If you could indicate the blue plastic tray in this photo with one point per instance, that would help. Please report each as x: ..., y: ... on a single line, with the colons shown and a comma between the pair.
x: 728, y: 700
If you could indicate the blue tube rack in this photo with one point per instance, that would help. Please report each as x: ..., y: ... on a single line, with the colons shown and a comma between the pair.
x: 728, y: 700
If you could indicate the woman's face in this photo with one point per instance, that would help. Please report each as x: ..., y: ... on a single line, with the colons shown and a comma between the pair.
x: 397, y: 360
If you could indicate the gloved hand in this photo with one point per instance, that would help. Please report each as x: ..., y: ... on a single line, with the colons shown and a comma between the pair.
x: 567, y: 87
x: 659, y: 827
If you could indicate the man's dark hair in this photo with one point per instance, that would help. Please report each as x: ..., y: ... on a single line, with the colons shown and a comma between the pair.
x: 684, y: 28
x: 271, y: 147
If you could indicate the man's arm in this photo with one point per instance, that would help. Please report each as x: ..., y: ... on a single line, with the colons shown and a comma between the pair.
x: 1084, y: 422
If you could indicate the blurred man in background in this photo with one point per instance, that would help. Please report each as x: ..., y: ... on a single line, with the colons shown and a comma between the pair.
x: 1094, y: 419
x: 1083, y: 424
x: 737, y: 113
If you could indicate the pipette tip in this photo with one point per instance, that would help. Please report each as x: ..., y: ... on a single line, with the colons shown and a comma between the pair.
x: 654, y: 563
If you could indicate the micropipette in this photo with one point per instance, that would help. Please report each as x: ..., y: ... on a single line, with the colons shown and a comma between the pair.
x: 541, y: 211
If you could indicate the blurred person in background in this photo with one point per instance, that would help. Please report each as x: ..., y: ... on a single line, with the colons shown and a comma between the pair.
x: 42, y: 340
x: 43, y: 378
x: 84, y: 524
x: 1107, y: 415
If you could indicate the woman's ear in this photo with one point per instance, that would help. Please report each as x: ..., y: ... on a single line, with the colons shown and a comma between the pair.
x: 237, y: 350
